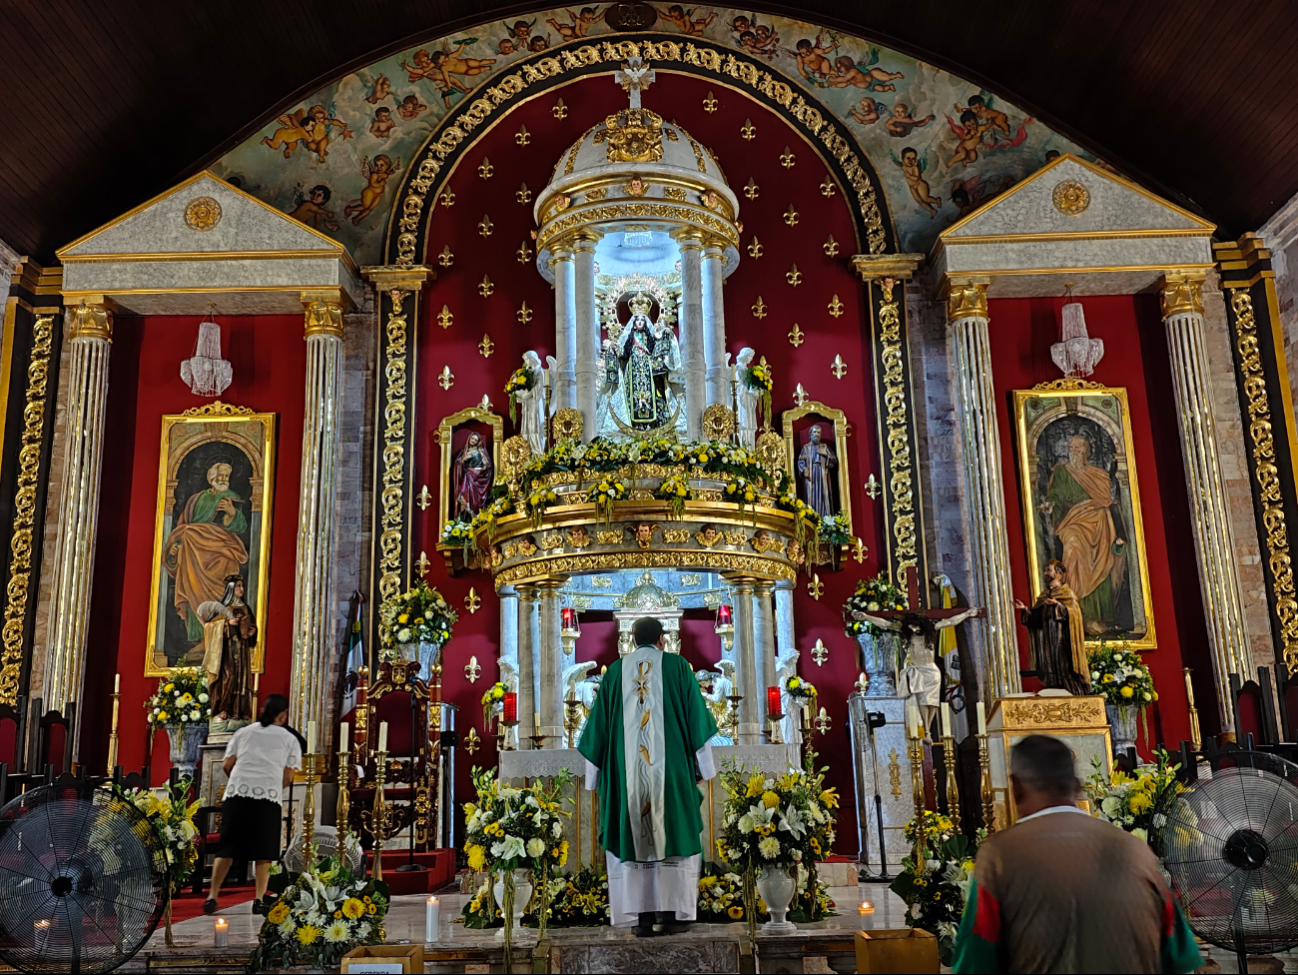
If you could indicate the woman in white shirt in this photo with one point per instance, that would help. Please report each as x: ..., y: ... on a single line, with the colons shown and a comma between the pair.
x: 259, y: 761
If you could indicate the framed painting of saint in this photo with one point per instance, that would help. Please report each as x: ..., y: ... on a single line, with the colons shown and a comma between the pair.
x: 1081, y: 505
x: 211, y: 541
x: 470, y: 456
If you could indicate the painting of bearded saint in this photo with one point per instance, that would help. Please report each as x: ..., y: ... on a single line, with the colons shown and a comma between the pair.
x: 1082, y: 506
x: 212, y: 526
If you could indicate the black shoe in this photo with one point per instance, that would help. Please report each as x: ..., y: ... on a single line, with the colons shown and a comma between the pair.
x: 259, y: 907
x: 644, y: 927
x: 209, y: 906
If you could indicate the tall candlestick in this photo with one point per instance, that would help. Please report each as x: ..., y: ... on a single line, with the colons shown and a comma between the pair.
x: 221, y: 933
x: 432, y: 919
x: 117, y: 683
x: 383, y: 737
x: 988, y: 795
x: 912, y: 722
x: 946, y: 720
x: 982, y: 718
x: 1195, y: 735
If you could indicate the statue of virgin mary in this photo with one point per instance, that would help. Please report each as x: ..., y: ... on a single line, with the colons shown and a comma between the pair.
x: 648, y: 362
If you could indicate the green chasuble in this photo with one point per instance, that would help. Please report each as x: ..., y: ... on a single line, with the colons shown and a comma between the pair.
x: 647, y: 722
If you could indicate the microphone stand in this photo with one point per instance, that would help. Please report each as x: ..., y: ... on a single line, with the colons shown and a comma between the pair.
x: 410, y: 864
x: 884, y: 877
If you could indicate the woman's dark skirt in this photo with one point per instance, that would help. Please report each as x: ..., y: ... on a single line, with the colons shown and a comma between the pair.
x: 250, y: 828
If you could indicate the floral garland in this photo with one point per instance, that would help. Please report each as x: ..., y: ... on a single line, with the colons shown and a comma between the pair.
x: 605, y: 494
x: 804, y: 515
x: 742, y: 492
x: 182, y: 700
x: 675, y: 489
x: 604, y: 456
x: 419, y: 615
x: 321, y: 917
x: 537, y: 502
x: 173, y: 818
x: 872, y: 596
x: 759, y: 377
x: 488, y: 516
x: 520, y: 379
x: 1137, y: 803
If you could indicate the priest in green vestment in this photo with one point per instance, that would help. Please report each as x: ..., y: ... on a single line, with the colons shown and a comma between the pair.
x: 646, y: 748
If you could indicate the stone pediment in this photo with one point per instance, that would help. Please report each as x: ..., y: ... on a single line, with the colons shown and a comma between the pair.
x: 206, y: 240
x: 1076, y: 219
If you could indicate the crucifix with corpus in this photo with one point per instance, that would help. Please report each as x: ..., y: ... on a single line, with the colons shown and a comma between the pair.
x: 920, y: 680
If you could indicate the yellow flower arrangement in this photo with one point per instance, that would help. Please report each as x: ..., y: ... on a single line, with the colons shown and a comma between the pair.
x: 278, y: 913
x: 353, y: 908
x: 307, y: 934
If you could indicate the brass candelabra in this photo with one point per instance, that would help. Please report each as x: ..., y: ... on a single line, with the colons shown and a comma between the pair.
x: 952, y: 786
x: 311, y: 769
x: 572, y: 720
x: 344, y: 807
x: 732, y: 718
x: 379, y: 814
x: 112, y: 735
x: 1196, y: 736
x: 988, y: 797
x: 915, y: 751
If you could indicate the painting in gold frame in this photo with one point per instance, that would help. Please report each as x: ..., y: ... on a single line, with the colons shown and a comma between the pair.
x: 1081, y: 504
x: 215, y: 489
x: 476, y: 420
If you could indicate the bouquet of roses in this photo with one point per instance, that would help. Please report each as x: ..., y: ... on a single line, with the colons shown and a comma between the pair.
x: 605, y: 494
x: 181, y: 699
x: 520, y: 379
x: 676, y: 490
x: 419, y: 615
x: 871, y: 596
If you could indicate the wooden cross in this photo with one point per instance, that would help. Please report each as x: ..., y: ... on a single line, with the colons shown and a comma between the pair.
x: 912, y: 600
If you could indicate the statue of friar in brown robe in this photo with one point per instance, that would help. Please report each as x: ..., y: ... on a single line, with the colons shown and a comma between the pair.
x: 1057, y: 647
x: 229, y: 636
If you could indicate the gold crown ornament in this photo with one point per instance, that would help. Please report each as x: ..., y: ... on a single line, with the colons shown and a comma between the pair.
x: 640, y: 304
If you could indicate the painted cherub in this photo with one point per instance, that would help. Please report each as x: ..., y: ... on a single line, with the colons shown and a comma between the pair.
x: 582, y: 21
x: 311, y: 127
x: 382, y: 125
x: 376, y: 181
x: 970, y: 133
x: 381, y: 89
x: 968, y: 194
x: 310, y: 207
x: 506, y: 46
x: 519, y: 31
x: 912, y: 167
x: 539, y: 43
x: 849, y: 73
x: 684, y: 19
x: 993, y: 119
x: 866, y: 111
x: 901, y: 124
x: 757, y: 39
x: 410, y: 107
x: 813, y: 65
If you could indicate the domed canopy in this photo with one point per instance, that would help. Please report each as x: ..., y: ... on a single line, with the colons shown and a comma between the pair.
x: 649, y: 598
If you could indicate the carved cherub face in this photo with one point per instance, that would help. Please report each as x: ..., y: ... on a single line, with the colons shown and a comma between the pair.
x: 710, y: 534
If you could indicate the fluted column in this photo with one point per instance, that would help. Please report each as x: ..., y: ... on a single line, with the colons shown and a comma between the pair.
x: 763, y: 640
x: 691, y: 323
x: 565, y: 329
x: 785, y: 639
x: 586, y: 326
x: 526, y: 654
x: 989, y: 547
x: 1214, y: 542
x: 508, y: 625
x: 550, y: 690
x: 714, y: 327
x: 90, y: 331
x: 750, y: 720
x: 313, y: 618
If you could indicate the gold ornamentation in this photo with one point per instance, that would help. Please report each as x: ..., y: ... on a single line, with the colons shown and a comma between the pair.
x: 485, y: 169
x: 517, y: 454
x: 676, y: 193
x: 787, y: 158
x: 1070, y: 197
x: 835, y: 307
x: 900, y: 506
x: 763, y: 542
x: 735, y: 538
x: 472, y: 601
x: 424, y: 500
x: 422, y: 564
x: 447, y: 378
x: 800, y: 394
x: 485, y: 226
x: 524, y: 253
x: 446, y: 258
x: 794, y: 551
x: 859, y: 550
x: 579, y: 537
x: 796, y: 337
x: 523, y: 194
x: 793, y: 275
x: 1182, y: 294
x: 1067, y: 383
x: 91, y: 322
x: 791, y: 216
x: 894, y: 773
x: 524, y: 314
x: 759, y: 308
x: 639, y: 210
x: 486, y: 346
x: 323, y: 317
x: 448, y: 197
x: 568, y: 424
x: 718, y: 422
x: 392, y: 531
x: 710, y: 103
x: 444, y: 317
x: 510, y: 550
x: 770, y: 453
x: 966, y: 299
x: 830, y: 246
x: 678, y: 536
x: 217, y: 408
x: 873, y: 488
x: 633, y: 135
x: 22, y: 528
x: 827, y: 187
x: 1045, y: 711
x: 522, y: 137
x: 748, y: 130
x: 643, y: 532
x: 202, y: 214
x: 709, y: 536
x: 820, y: 653
x: 762, y: 566
x: 754, y: 248
x: 559, y: 110
x: 472, y: 742
x: 551, y: 541
x: 472, y: 671
x: 609, y: 537
x: 486, y: 287
x: 526, y: 547
x: 751, y: 189
x: 815, y: 588
x: 839, y: 367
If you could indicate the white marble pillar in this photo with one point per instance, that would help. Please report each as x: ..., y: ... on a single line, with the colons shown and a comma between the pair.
x: 984, y: 486
x: 692, y: 331
x: 566, y: 343
x: 785, y: 640
x: 714, y: 327
x: 1214, y: 542
x: 550, y: 694
x: 90, y: 334
x: 527, y: 634
x: 586, y: 332
x: 508, y: 597
x: 763, y: 641
x: 746, y: 679
x: 313, y: 618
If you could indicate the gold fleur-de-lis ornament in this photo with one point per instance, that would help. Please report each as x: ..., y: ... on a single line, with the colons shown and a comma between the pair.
x: 830, y: 246
x: 524, y: 253
x: 448, y: 198
x: 560, y: 110
x: 447, y: 379
x: 759, y: 308
x: 446, y: 258
x: 522, y: 137
x: 424, y: 500
x: 472, y: 742
x: 791, y: 216
x: 523, y: 194
x: 748, y: 130
x: 524, y: 314
x: 472, y: 602
x: 836, y: 307
x: 751, y: 189
x: 796, y: 337
x: 793, y: 276
x: 485, y: 169
x: 710, y: 103
x: 486, y: 346
x: 485, y: 226
x: 800, y: 395
x: 485, y: 287
x: 820, y: 653
x: 755, y: 249
x: 444, y: 317
x: 472, y: 671
x: 787, y: 158
x: 423, y: 564
x: 827, y: 187
x: 815, y: 588
x: 873, y: 488
x: 839, y: 367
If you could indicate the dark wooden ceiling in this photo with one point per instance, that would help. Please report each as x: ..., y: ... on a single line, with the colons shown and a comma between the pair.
x: 105, y: 104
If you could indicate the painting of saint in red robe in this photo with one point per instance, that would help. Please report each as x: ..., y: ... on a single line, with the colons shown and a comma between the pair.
x: 471, y: 478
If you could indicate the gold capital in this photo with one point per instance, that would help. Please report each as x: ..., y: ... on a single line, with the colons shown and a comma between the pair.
x: 385, y: 277
x: 899, y: 267
x: 91, y: 319
x: 1182, y: 293
x: 323, y: 313
x: 965, y: 298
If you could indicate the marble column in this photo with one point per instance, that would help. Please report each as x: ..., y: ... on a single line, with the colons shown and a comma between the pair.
x: 526, y: 654
x: 985, y: 489
x: 750, y: 708
x: 508, y: 597
x: 586, y: 331
x: 565, y: 330
x: 90, y: 332
x: 692, y: 331
x: 714, y: 327
x: 550, y: 693
x: 763, y: 641
x: 1214, y: 542
x: 313, y: 617
x: 785, y: 640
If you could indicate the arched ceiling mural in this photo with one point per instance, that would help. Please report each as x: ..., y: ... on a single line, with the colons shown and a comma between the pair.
x: 941, y: 146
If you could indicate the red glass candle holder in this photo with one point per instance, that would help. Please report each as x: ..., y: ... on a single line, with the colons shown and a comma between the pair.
x: 774, y: 705
x: 511, y: 707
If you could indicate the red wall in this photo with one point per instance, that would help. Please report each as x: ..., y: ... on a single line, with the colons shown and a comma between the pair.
x: 1022, y: 331
x: 269, y: 360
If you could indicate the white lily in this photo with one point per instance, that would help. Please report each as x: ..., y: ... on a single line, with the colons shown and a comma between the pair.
x: 793, y: 823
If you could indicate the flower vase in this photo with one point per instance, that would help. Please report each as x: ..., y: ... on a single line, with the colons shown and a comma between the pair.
x: 879, y: 661
x: 423, y: 653
x: 522, y: 894
x: 186, y: 739
x: 777, y: 885
x: 1122, y: 724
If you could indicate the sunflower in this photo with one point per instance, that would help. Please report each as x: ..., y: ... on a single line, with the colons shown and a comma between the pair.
x: 278, y: 913
x: 736, y: 912
x: 307, y: 934
x: 353, y: 908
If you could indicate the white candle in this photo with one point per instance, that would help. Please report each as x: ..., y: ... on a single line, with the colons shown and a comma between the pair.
x: 42, y: 932
x: 912, y: 721
x: 310, y: 737
x: 946, y: 720
x: 221, y: 935
x: 982, y: 718
x: 432, y: 919
x: 117, y: 683
x: 383, y: 737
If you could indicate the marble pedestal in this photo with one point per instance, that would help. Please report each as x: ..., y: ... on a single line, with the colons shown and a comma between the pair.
x: 893, y: 765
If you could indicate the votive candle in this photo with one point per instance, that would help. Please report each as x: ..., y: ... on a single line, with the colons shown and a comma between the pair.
x: 432, y: 919
x: 866, y: 908
x: 912, y: 721
x: 511, y: 707
x: 221, y: 934
x: 383, y: 737
x: 982, y: 718
x: 725, y: 614
x: 774, y: 706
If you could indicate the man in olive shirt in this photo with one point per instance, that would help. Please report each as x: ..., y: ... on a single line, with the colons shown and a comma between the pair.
x: 1061, y: 891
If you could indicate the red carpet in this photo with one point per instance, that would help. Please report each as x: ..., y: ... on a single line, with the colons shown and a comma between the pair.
x: 185, y: 906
